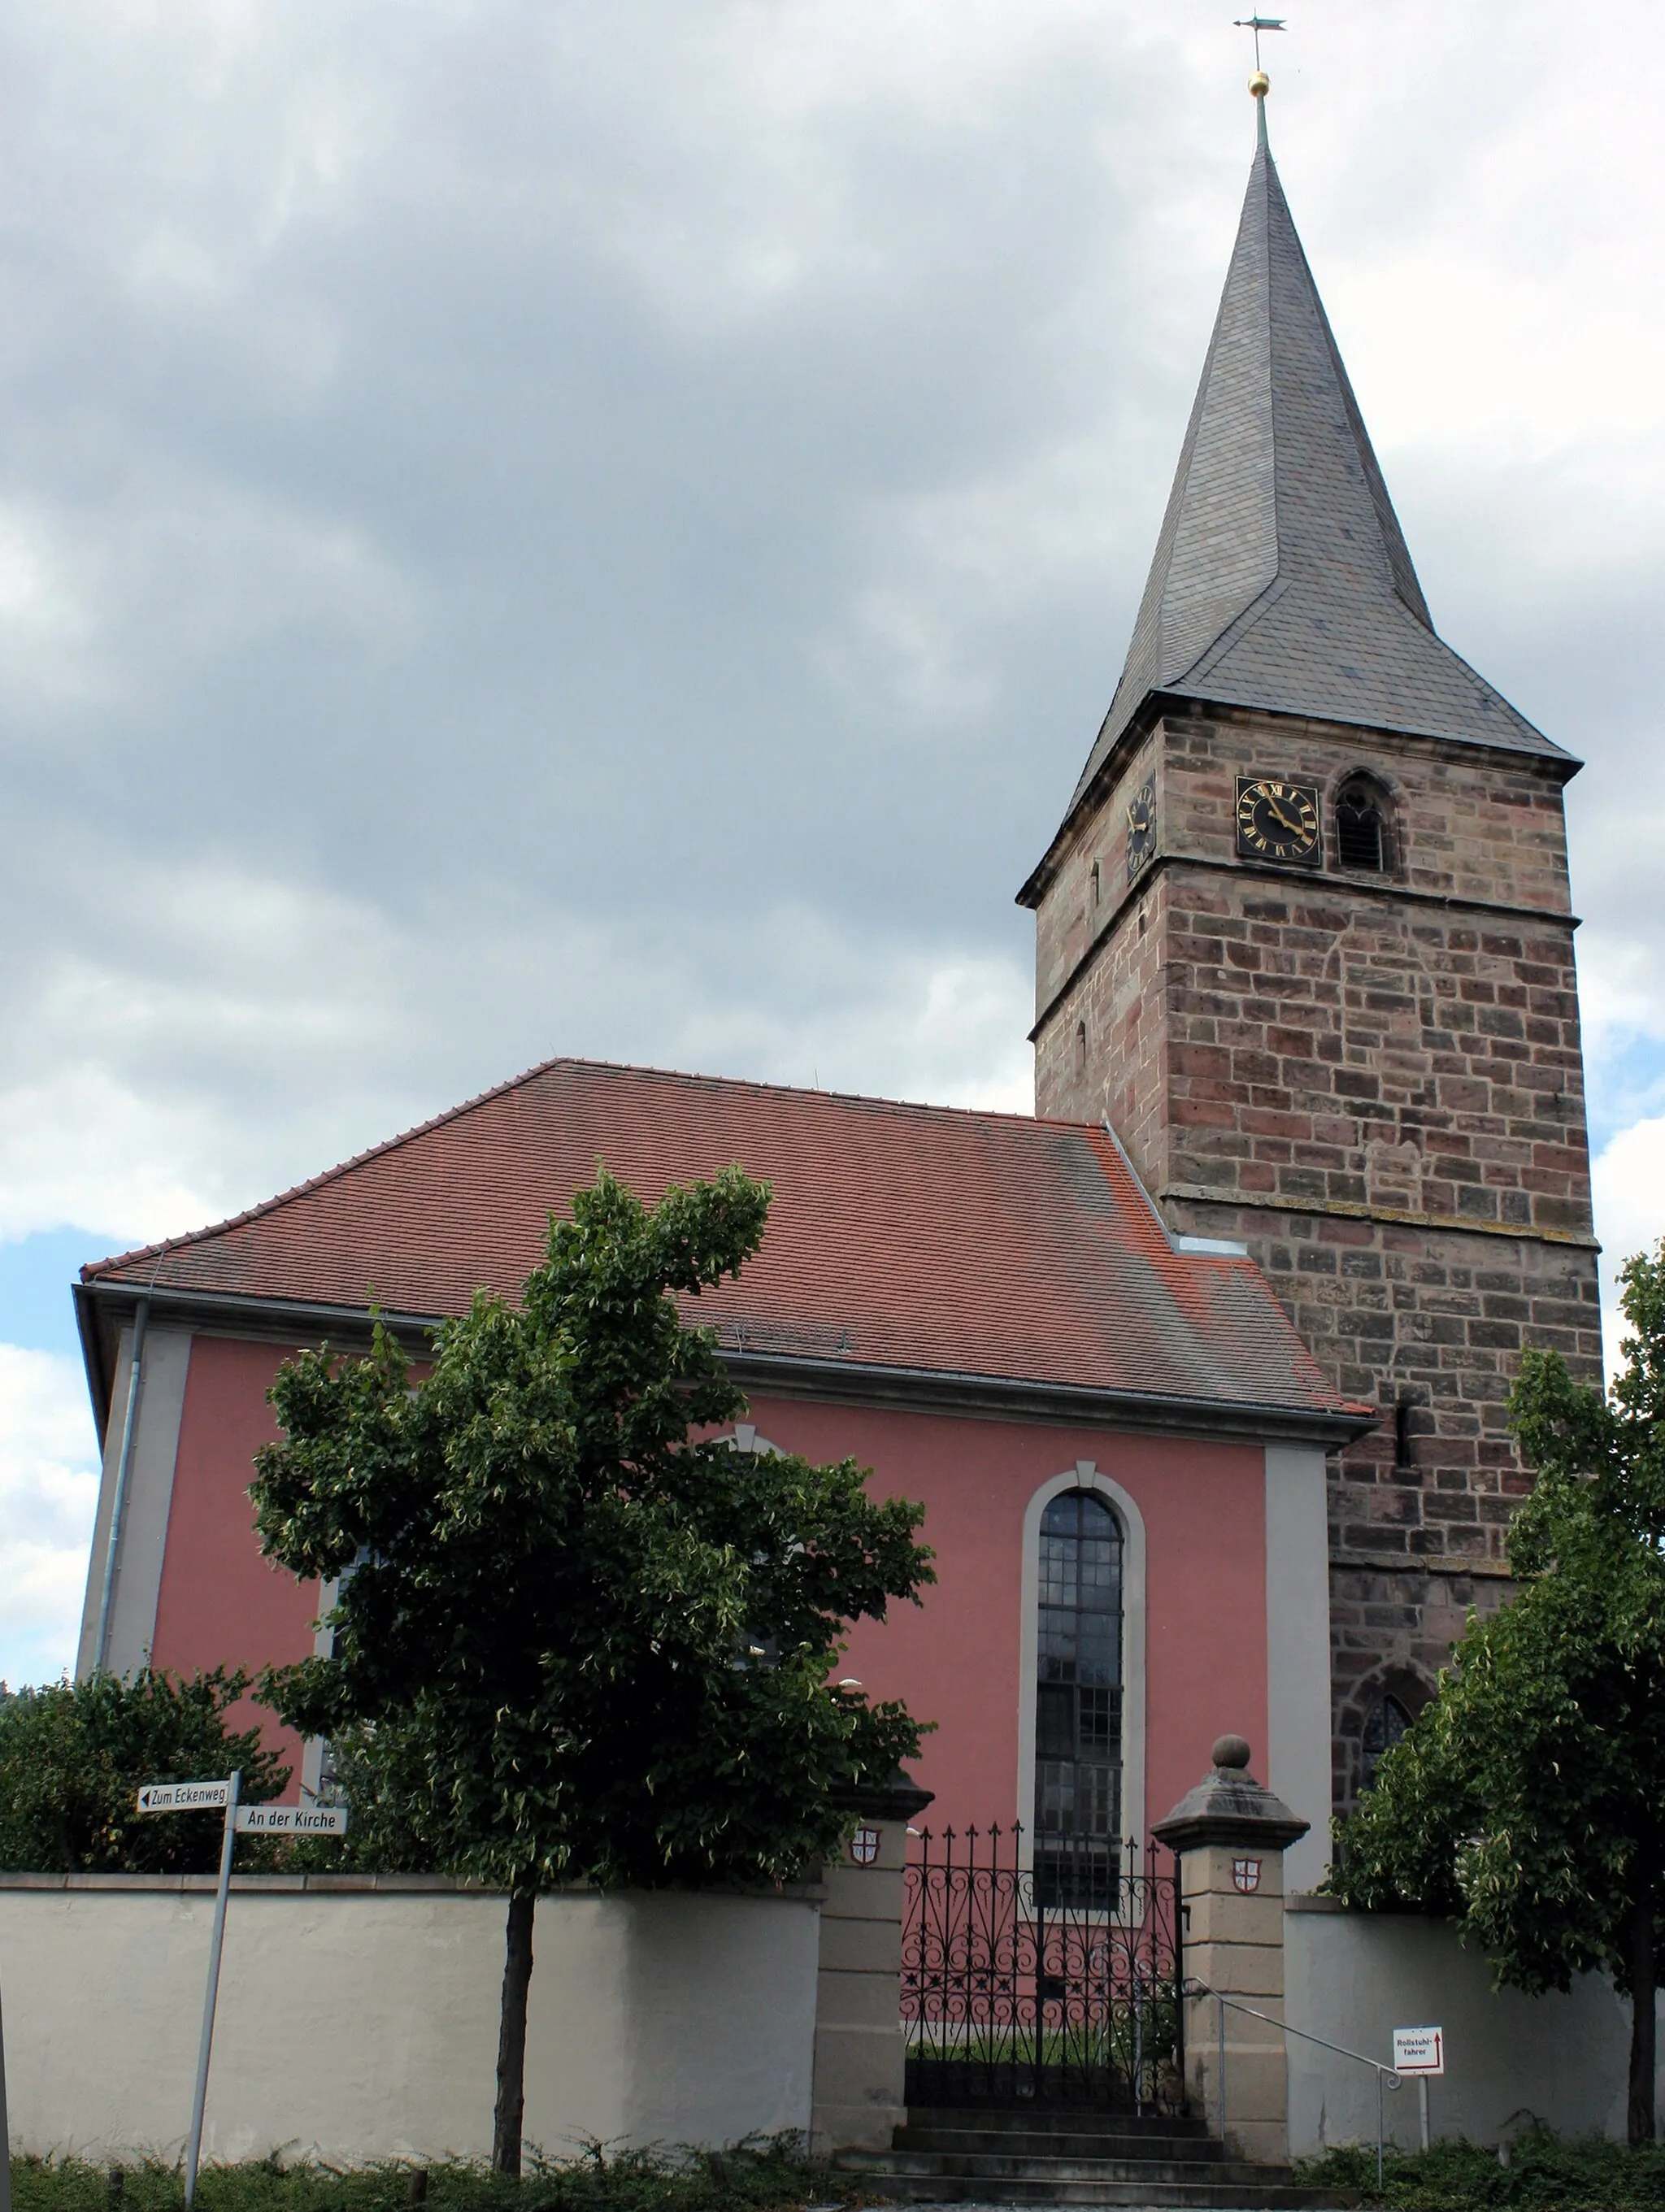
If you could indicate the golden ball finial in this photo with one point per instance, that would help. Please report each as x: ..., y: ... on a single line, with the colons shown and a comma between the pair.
x: 1260, y: 84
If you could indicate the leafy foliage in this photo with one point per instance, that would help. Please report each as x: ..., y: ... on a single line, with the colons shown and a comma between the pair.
x: 1560, y: 2174
x: 1526, y: 1801
x: 755, y: 2176
x: 574, y: 1638
x: 74, y: 1755
x: 1526, y: 1795
x: 577, y: 1642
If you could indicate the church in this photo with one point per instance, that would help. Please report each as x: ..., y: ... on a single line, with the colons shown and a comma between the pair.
x: 1201, y: 1371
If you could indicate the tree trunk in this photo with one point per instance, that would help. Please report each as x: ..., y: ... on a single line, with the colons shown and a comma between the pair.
x: 511, y: 2029
x: 1640, y: 2114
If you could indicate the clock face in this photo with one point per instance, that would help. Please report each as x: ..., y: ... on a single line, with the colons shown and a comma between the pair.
x: 1142, y: 826
x: 1278, y: 821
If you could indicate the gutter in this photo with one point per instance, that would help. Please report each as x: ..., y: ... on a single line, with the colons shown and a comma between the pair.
x: 1073, y: 1405
x: 99, y: 1381
x: 846, y: 1381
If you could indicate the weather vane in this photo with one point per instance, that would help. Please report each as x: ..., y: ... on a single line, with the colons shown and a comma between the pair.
x: 1257, y: 24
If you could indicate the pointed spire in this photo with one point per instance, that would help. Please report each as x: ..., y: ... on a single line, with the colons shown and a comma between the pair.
x: 1282, y: 580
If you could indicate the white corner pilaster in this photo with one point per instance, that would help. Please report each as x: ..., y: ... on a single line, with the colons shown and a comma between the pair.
x: 1298, y: 1643
x: 132, y: 1625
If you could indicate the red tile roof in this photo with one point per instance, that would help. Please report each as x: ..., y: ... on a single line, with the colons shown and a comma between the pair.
x: 901, y: 1237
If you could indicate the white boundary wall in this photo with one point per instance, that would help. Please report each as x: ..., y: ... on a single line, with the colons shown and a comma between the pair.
x: 360, y: 2022
x: 1355, y: 1976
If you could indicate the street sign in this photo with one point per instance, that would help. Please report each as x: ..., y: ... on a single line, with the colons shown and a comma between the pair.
x: 240, y: 1819
x: 291, y: 1819
x: 182, y: 1796
x: 1418, y: 2050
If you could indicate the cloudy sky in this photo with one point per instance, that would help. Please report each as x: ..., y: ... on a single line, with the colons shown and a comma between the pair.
x: 608, y: 526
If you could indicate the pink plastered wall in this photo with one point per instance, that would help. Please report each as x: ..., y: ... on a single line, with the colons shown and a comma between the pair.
x: 220, y: 1602
x: 955, y: 1658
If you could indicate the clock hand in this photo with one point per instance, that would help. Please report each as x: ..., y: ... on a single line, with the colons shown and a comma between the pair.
x: 1279, y: 815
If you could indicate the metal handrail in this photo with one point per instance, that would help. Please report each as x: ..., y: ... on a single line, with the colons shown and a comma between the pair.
x: 1195, y: 1988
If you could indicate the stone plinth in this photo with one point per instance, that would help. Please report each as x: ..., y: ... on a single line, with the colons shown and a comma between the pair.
x: 860, y: 2052
x: 1231, y: 1835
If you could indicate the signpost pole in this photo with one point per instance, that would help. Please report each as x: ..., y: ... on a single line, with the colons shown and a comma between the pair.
x: 1422, y: 2090
x: 193, y: 2152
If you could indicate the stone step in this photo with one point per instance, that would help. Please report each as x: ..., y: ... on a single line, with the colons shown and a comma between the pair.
x: 982, y: 2155
x: 977, y: 2140
x: 923, y: 2166
x: 1266, y: 2192
x: 1068, y: 2119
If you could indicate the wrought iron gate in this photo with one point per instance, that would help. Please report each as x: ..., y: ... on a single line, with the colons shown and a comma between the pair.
x: 1053, y: 1979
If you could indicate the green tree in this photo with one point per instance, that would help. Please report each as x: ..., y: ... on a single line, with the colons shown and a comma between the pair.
x: 74, y: 1755
x: 1528, y: 1802
x: 581, y: 1640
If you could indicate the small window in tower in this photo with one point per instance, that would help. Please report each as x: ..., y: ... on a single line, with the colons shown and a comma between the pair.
x: 1362, y: 836
x: 1081, y: 1048
x: 1095, y: 883
x: 1384, y: 1724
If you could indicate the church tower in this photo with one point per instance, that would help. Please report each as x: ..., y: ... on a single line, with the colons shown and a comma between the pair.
x: 1305, y: 939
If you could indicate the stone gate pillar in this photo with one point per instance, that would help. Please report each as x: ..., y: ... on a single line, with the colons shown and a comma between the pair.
x: 1231, y: 1835
x: 858, y: 2098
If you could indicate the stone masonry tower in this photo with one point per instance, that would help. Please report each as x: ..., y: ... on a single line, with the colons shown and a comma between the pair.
x: 1305, y: 940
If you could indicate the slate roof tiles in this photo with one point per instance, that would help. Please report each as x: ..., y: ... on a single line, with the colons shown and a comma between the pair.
x: 1281, y: 578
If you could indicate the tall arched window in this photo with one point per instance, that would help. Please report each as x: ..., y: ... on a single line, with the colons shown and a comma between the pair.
x: 1385, y: 1722
x: 1077, y: 1700
x: 1364, y: 833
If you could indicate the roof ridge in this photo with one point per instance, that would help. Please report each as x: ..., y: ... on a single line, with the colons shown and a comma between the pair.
x: 814, y: 1091
x: 162, y: 1246
x: 1181, y: 1272
x: 1256, y: 611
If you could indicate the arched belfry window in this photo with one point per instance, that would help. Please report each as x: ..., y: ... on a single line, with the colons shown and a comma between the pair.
x: 1077, y: 1700
x: 1364, y: 826
x: 1385, y: 1722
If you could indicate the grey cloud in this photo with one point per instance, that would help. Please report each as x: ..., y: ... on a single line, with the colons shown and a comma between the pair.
x: 605, y: 528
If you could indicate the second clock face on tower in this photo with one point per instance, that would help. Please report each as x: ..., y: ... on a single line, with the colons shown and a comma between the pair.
x: 1279, y: 822
x: 1142, y: 826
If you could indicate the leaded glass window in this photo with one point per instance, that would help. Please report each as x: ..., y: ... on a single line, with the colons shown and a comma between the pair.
x: 1078, y: 1700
